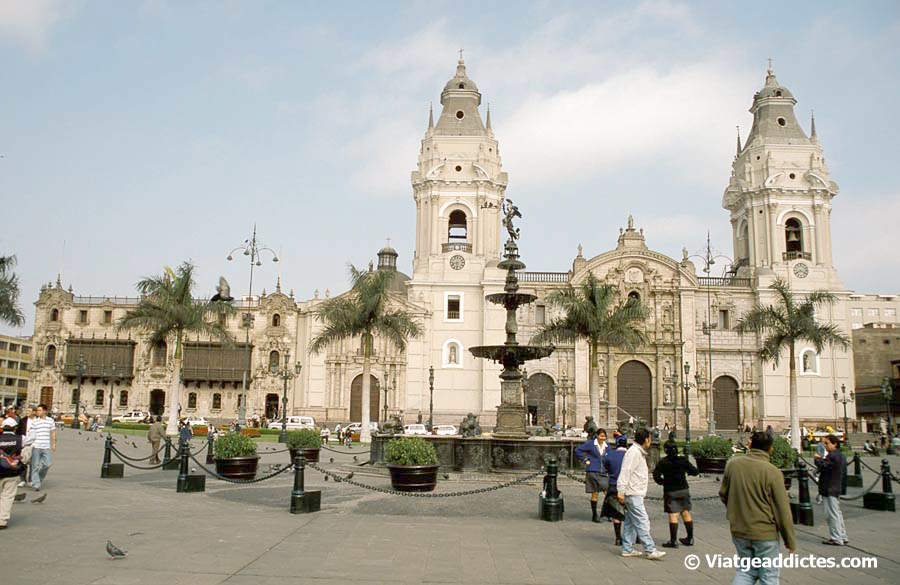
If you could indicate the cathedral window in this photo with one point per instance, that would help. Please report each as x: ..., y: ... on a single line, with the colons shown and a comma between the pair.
x: 724, y: 323
x: 107, y: 317
x: 158, y: 357
x: 782, y: 121
x: 460, y: 114
x: 540, y: 314
x: 462, y: 86
x: 217, y: 401
x: 634, y: 296
x: 457, y: 230
x: 123, y: 398
x: 82, y: 316
x: 793, y: 235
x: 192, y: 400
x: 54, y: 315
x: 50, y: 355
x: 453, y: 310
x: 98, y: 397
x: 273, y: 361
x: 276, y: 320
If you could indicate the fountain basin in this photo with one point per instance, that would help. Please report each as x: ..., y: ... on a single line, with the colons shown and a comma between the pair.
x: 511, y: 300
x: 511, y: 354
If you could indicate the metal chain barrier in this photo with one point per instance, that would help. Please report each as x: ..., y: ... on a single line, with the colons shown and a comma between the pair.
x: 123, y: 459
x: 858, y: 496
x: 240, y: 481
x: 123, y: 456
x: 344, y: 452
x: 274, y: 452
x: 341, y: 479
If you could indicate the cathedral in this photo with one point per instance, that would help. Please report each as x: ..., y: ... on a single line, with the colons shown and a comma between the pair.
x: 779, y: 202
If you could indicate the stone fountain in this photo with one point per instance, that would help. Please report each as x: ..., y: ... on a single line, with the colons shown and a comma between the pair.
x: 511, y: 411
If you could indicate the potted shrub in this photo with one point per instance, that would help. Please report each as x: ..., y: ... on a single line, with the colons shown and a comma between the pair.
x: 712, y: 453
x: 305, y: 441
x: 236, y: 456
x: 413, y: 463
x: 783, y: 457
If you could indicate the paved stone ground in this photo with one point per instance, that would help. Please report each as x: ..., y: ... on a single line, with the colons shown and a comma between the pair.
x: 244, y: 534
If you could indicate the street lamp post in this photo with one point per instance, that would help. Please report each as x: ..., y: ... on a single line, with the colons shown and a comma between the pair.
x: 844, y: 400
x: 431, y: 398
x: 80, y: 369
x: 887, y: 392
x: 113, y: 379
x: 686, y: 386
x: 252, y: 249
x: 286, y: 374
x: 564, y: 391
x: 390, y: 385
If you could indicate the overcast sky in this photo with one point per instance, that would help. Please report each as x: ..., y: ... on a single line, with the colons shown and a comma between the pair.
x: 135, y: 135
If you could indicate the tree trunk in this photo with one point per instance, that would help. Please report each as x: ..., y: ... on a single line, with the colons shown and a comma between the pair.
x: 794, y: 406
x: 364, y: 435
x: 593, y: 391
x: 175, y: 391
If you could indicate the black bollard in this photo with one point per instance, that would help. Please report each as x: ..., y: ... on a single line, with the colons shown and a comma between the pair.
x: 802, y: 511
x: 110, y: 469
x: 210, y: 449
x: 550, y: 503
x: 169, y: 463
x: 885, y: 500
x: 855, y: 480
x: 186, y: 482
x: 303, y: 501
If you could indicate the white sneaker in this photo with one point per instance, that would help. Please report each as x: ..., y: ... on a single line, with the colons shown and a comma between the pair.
x: 21, y: 484
x: 655, y: 555
x: 633, y: 553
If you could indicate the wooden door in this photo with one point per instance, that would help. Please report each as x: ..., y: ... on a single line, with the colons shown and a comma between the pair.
x: 725, y: 403
x: 634, y: 388
x: 356, y: 399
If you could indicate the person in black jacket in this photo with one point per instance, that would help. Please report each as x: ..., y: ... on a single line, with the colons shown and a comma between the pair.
x: 832, y: 468
x: 671, y: 472
x: 11, y: 450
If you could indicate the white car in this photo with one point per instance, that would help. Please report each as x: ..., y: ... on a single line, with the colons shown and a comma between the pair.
x: 134, y: 416
x: 295, y: 423
x: 445, y: 430
x: 415, y: 429
x: 357, y: 427
x: 196, y: 421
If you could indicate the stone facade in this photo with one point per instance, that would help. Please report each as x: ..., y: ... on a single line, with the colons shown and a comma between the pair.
x: 15, y: 366
x: 779, y: 200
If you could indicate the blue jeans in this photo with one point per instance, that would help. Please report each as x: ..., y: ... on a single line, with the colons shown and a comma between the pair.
x: 763, y: 549
x: 636, y: 524
x: 40, y: 464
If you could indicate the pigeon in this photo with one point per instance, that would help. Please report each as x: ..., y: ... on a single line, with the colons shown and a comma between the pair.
x: 349, y: 475
x: 446, y: 476
x: 326, y: 478
x: 355, y: 458
x: 39, y: 499
x: 115, y: 552
x: 19, y: 497
x: 331, y: 460
x: 79, y: 432
x: 134, y: 444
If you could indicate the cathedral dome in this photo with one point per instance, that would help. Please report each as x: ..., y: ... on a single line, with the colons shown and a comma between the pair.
x: 460, y: 81
x: 773, y: 89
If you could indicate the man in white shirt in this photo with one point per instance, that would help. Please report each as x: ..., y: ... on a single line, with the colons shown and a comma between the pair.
x: 632, y: 488
x: 42, y: 431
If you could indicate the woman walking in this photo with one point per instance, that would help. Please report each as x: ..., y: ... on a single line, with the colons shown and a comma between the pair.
x: 612, y: 464
x: 671, y: 472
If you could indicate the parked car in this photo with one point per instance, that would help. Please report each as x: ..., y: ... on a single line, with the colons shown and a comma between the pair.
x: 294, y: 423
x: 133, y: 416
x: 196, y: 421
x: 355, y: 428
x: 445, y: 430
x: 415, y: 429
x: 68, y: 418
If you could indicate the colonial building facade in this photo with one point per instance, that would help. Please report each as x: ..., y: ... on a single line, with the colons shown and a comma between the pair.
x: 779, y: 201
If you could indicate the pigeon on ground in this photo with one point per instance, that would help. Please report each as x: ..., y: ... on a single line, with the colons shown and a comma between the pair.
x: 39, y: 499
x: 326, y: 478
x: 19, y: 497
x: 134, y: 444
x: 446, y: 476
x: 331, y: 460
x: 79, y: 432
x: 354, y: 458
x: 115, y: 552
x: 349, y: 475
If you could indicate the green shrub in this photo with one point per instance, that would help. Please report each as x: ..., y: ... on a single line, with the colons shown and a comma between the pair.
x: 130, y: 426
x: 234, y: 445
x: 711, y: 446
x: 410, y: 451
x: 304, y: 439
x: 783, y: 455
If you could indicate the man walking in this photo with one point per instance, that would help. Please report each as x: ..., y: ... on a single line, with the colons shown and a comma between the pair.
x: 632, y: 488
x: 758, y: 510
x: 43, y: 432
x: 155, y: 435
x: 832, y: 468
x: 591, y: 453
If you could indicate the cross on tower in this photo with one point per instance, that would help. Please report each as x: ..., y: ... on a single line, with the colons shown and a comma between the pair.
x: 460, y: 54
x: 770, y: 63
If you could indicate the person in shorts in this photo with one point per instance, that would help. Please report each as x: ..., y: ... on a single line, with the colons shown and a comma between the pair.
x: 591, y: 453
x: 671, y: 472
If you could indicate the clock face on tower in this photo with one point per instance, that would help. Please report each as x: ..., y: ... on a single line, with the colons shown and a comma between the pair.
x: 801, y: 270
x: 457, y: 262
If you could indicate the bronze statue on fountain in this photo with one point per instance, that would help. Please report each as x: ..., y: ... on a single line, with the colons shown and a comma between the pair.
x: 511, y: 412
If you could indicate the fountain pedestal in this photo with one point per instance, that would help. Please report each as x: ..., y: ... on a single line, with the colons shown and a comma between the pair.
x: 510, y: 412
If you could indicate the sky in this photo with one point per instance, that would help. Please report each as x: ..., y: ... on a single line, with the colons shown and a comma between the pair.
x: 139, y: 134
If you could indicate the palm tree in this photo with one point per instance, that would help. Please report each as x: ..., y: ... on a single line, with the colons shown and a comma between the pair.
x: 10, y: 313
x: 592, y: 311
x: 167, y: 308
x: 364, y: 312
x: 784, y: 324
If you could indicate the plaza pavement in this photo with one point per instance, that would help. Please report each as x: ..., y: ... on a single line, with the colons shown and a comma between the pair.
x: 244, y: 534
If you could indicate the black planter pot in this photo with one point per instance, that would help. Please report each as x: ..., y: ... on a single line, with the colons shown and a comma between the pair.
x: 413, y: 478
x: 309, y: 454
x: 711, y: 464
x: 238, y: 467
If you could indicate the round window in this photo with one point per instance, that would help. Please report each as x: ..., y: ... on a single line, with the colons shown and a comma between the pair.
x: 458, y: 168
x: 462, y: 86
x: 781, y: 121
x: 793, y: 176
x: 460, y: 114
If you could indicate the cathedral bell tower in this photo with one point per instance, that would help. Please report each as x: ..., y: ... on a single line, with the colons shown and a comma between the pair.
x: 458, y: 185
x: 779, y: 196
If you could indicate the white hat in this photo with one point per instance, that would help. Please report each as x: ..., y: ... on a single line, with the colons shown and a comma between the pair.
x: 9, y: 422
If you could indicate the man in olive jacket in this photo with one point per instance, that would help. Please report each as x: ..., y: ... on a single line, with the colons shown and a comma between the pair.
x: 155, y: 434
x: 758, y: 509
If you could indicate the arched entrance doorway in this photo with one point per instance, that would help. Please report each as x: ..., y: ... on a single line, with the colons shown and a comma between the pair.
x: 271, y: 406
x: 725, y: 403
x: 157, y: 402
x: 356, y: 399
x: 634, y: 394
x: 540, y: 403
